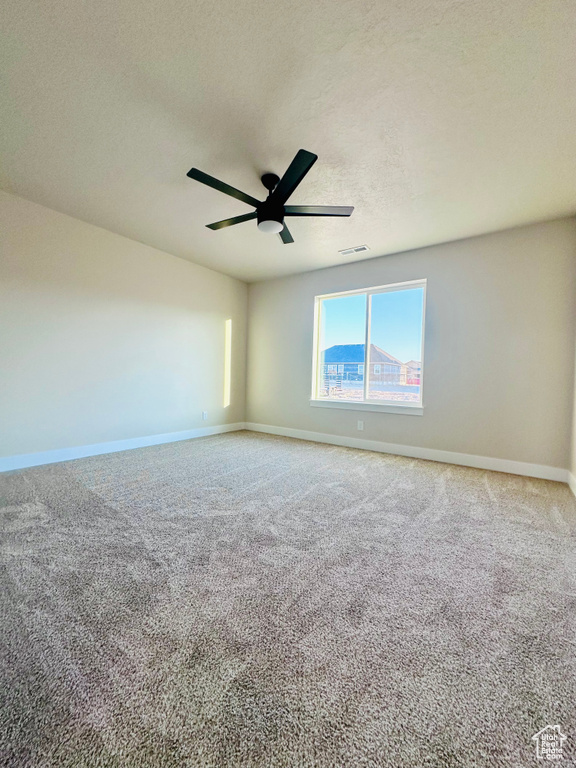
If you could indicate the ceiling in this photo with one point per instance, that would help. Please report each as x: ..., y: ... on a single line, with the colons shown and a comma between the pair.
x: 436, y: 119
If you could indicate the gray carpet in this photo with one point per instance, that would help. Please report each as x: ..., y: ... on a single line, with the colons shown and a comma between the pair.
x: 245, y: 600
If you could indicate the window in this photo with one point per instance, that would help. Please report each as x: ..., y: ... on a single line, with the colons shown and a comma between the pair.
x: 368, y: 348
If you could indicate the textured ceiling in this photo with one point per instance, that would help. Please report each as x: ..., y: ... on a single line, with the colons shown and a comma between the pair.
x: 436, y: 119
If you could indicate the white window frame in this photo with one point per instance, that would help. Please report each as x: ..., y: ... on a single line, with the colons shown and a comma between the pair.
x: 386, y: 406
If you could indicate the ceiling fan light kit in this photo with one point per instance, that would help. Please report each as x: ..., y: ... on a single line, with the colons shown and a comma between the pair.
x: 270, y: 213
x: 270, y: 225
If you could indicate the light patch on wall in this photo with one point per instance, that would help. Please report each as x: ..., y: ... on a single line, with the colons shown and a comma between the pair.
x: 227, y: 361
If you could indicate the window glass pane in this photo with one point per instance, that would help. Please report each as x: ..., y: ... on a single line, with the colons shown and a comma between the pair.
x: 341, y: 346
x: 396, y: 346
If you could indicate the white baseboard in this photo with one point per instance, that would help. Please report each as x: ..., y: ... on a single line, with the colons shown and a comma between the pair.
x: 431, y: 454
x: 66, y: 454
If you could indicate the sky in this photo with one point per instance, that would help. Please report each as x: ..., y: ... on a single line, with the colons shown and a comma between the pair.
x: 396, y: 322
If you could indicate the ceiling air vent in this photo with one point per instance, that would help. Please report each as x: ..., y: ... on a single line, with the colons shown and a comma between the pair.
x: 352, y: 251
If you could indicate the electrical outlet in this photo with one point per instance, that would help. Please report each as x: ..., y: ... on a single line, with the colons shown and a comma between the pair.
x: 360, y: 426
x: 204, y: 415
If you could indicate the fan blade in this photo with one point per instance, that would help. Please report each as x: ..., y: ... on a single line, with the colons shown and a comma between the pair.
x: 230, y: 222
x: 297, y: 169
x: 285, y: 236
x: 318, y: 210
x: 204, y: 178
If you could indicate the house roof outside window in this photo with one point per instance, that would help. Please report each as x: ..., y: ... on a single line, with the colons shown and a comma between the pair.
x: 354, y: 353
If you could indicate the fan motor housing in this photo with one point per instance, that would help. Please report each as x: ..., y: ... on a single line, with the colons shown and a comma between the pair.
x: 270, y: 211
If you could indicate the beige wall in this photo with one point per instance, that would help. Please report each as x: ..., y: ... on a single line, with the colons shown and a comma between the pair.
x: 572, y: 466
x: 103, y: 338
x: 498, y: 378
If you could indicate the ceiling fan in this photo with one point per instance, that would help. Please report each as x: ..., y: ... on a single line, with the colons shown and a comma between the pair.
x: 272, y: 211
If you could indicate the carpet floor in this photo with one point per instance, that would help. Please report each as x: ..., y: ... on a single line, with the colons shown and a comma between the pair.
x: 254, y: 601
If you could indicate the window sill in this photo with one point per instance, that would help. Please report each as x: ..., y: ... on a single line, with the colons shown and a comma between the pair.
x: 347, y: 405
